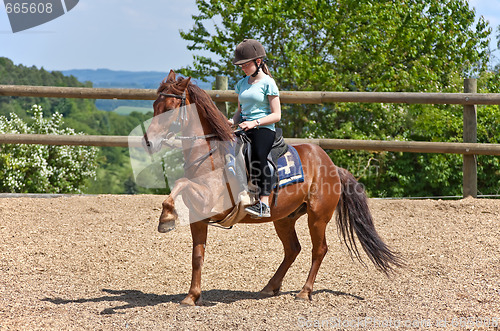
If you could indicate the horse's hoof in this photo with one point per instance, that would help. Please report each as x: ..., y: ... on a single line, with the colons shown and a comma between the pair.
x: 302, y: 296
x: 166, y: 226
x: 267, y: 294
x: 189, y: 302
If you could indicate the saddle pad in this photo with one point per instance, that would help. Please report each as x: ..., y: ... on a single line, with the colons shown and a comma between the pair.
x: 290, y: 168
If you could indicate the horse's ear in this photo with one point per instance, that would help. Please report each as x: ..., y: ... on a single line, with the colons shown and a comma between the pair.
x: 171, y: 77
x: 184, y: 83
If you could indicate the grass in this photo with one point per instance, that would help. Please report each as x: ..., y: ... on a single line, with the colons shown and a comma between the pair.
x: 127, y: 110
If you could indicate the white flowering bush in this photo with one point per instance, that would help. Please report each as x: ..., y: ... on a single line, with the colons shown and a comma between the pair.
x: 42, y: 168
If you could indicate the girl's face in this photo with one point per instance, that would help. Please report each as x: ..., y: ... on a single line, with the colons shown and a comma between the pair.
x: 249, y: 67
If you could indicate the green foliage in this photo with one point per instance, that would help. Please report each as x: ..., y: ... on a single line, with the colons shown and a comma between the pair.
x: 371, y: 46
x: 41, y: 168
x: 127, y: 110
x: 418, y: 46
x: 11, y: 74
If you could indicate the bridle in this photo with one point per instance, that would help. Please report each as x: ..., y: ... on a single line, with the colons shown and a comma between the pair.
x: 179, y: 123
x: 176, y: 96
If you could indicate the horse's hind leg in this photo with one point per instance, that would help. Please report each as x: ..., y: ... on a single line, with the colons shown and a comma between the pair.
x: 285, y: 228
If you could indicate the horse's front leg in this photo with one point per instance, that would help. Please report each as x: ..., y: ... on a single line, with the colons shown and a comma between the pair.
x: 169, y: 214
x: 199, y: 233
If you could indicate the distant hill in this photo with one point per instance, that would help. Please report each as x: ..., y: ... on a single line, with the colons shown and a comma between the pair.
x: 123, y: 79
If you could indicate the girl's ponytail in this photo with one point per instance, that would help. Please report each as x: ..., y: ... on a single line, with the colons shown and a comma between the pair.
x: 265, y: 69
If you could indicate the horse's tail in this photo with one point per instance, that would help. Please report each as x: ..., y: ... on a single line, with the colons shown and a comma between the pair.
x: 353, y: 216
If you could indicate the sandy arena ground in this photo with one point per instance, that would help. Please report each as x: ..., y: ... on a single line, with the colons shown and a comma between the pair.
x: 98, y: 263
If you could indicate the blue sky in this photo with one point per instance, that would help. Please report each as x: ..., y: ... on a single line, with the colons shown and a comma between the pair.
x: 123, y: 35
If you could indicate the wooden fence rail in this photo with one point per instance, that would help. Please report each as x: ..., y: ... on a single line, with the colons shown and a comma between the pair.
x: 312, y: 97
x: 350, y: 144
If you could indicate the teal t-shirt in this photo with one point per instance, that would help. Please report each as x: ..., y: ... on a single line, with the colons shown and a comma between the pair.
x: 254, y: 99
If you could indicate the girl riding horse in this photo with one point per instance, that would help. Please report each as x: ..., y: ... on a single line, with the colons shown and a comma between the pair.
x: 258, y: 110
x: 326, y: 188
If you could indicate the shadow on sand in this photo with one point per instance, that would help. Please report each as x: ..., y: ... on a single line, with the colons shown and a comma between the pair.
x: 135, y: 299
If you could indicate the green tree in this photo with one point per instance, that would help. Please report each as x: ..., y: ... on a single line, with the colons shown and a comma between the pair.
x: 42, y: 168
x: 348, y: 45
x: 374, y: 46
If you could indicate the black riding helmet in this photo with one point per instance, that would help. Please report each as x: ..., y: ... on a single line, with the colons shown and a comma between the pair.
x: 248, y: 50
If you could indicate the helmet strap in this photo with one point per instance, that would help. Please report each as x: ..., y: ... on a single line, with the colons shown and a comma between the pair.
x: 258, y: 67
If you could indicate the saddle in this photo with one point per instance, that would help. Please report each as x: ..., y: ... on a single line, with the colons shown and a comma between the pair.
x: 278, y: 149
x: 238, y: 178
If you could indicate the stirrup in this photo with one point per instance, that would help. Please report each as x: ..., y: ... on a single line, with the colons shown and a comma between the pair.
x: 230, y: 164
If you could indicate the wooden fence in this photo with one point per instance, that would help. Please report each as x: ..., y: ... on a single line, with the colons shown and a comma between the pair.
x: 368, y: 145
x: 301, y: 97
x: 469, y: 99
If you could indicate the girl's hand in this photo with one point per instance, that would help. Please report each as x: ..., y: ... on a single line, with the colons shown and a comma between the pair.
x: 248, y: 125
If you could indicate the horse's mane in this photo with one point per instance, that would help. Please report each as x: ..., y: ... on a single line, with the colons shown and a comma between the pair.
x: 206, y: 106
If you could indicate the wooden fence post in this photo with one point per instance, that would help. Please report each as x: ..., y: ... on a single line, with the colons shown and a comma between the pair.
x: 221, y: 83
x: 470, y: 136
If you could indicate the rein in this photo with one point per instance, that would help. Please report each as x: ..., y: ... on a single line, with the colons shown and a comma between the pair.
x: 201, y: 159
x: 211, y: 135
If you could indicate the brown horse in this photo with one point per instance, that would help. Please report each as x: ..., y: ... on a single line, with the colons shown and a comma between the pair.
x: 326, y: 188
